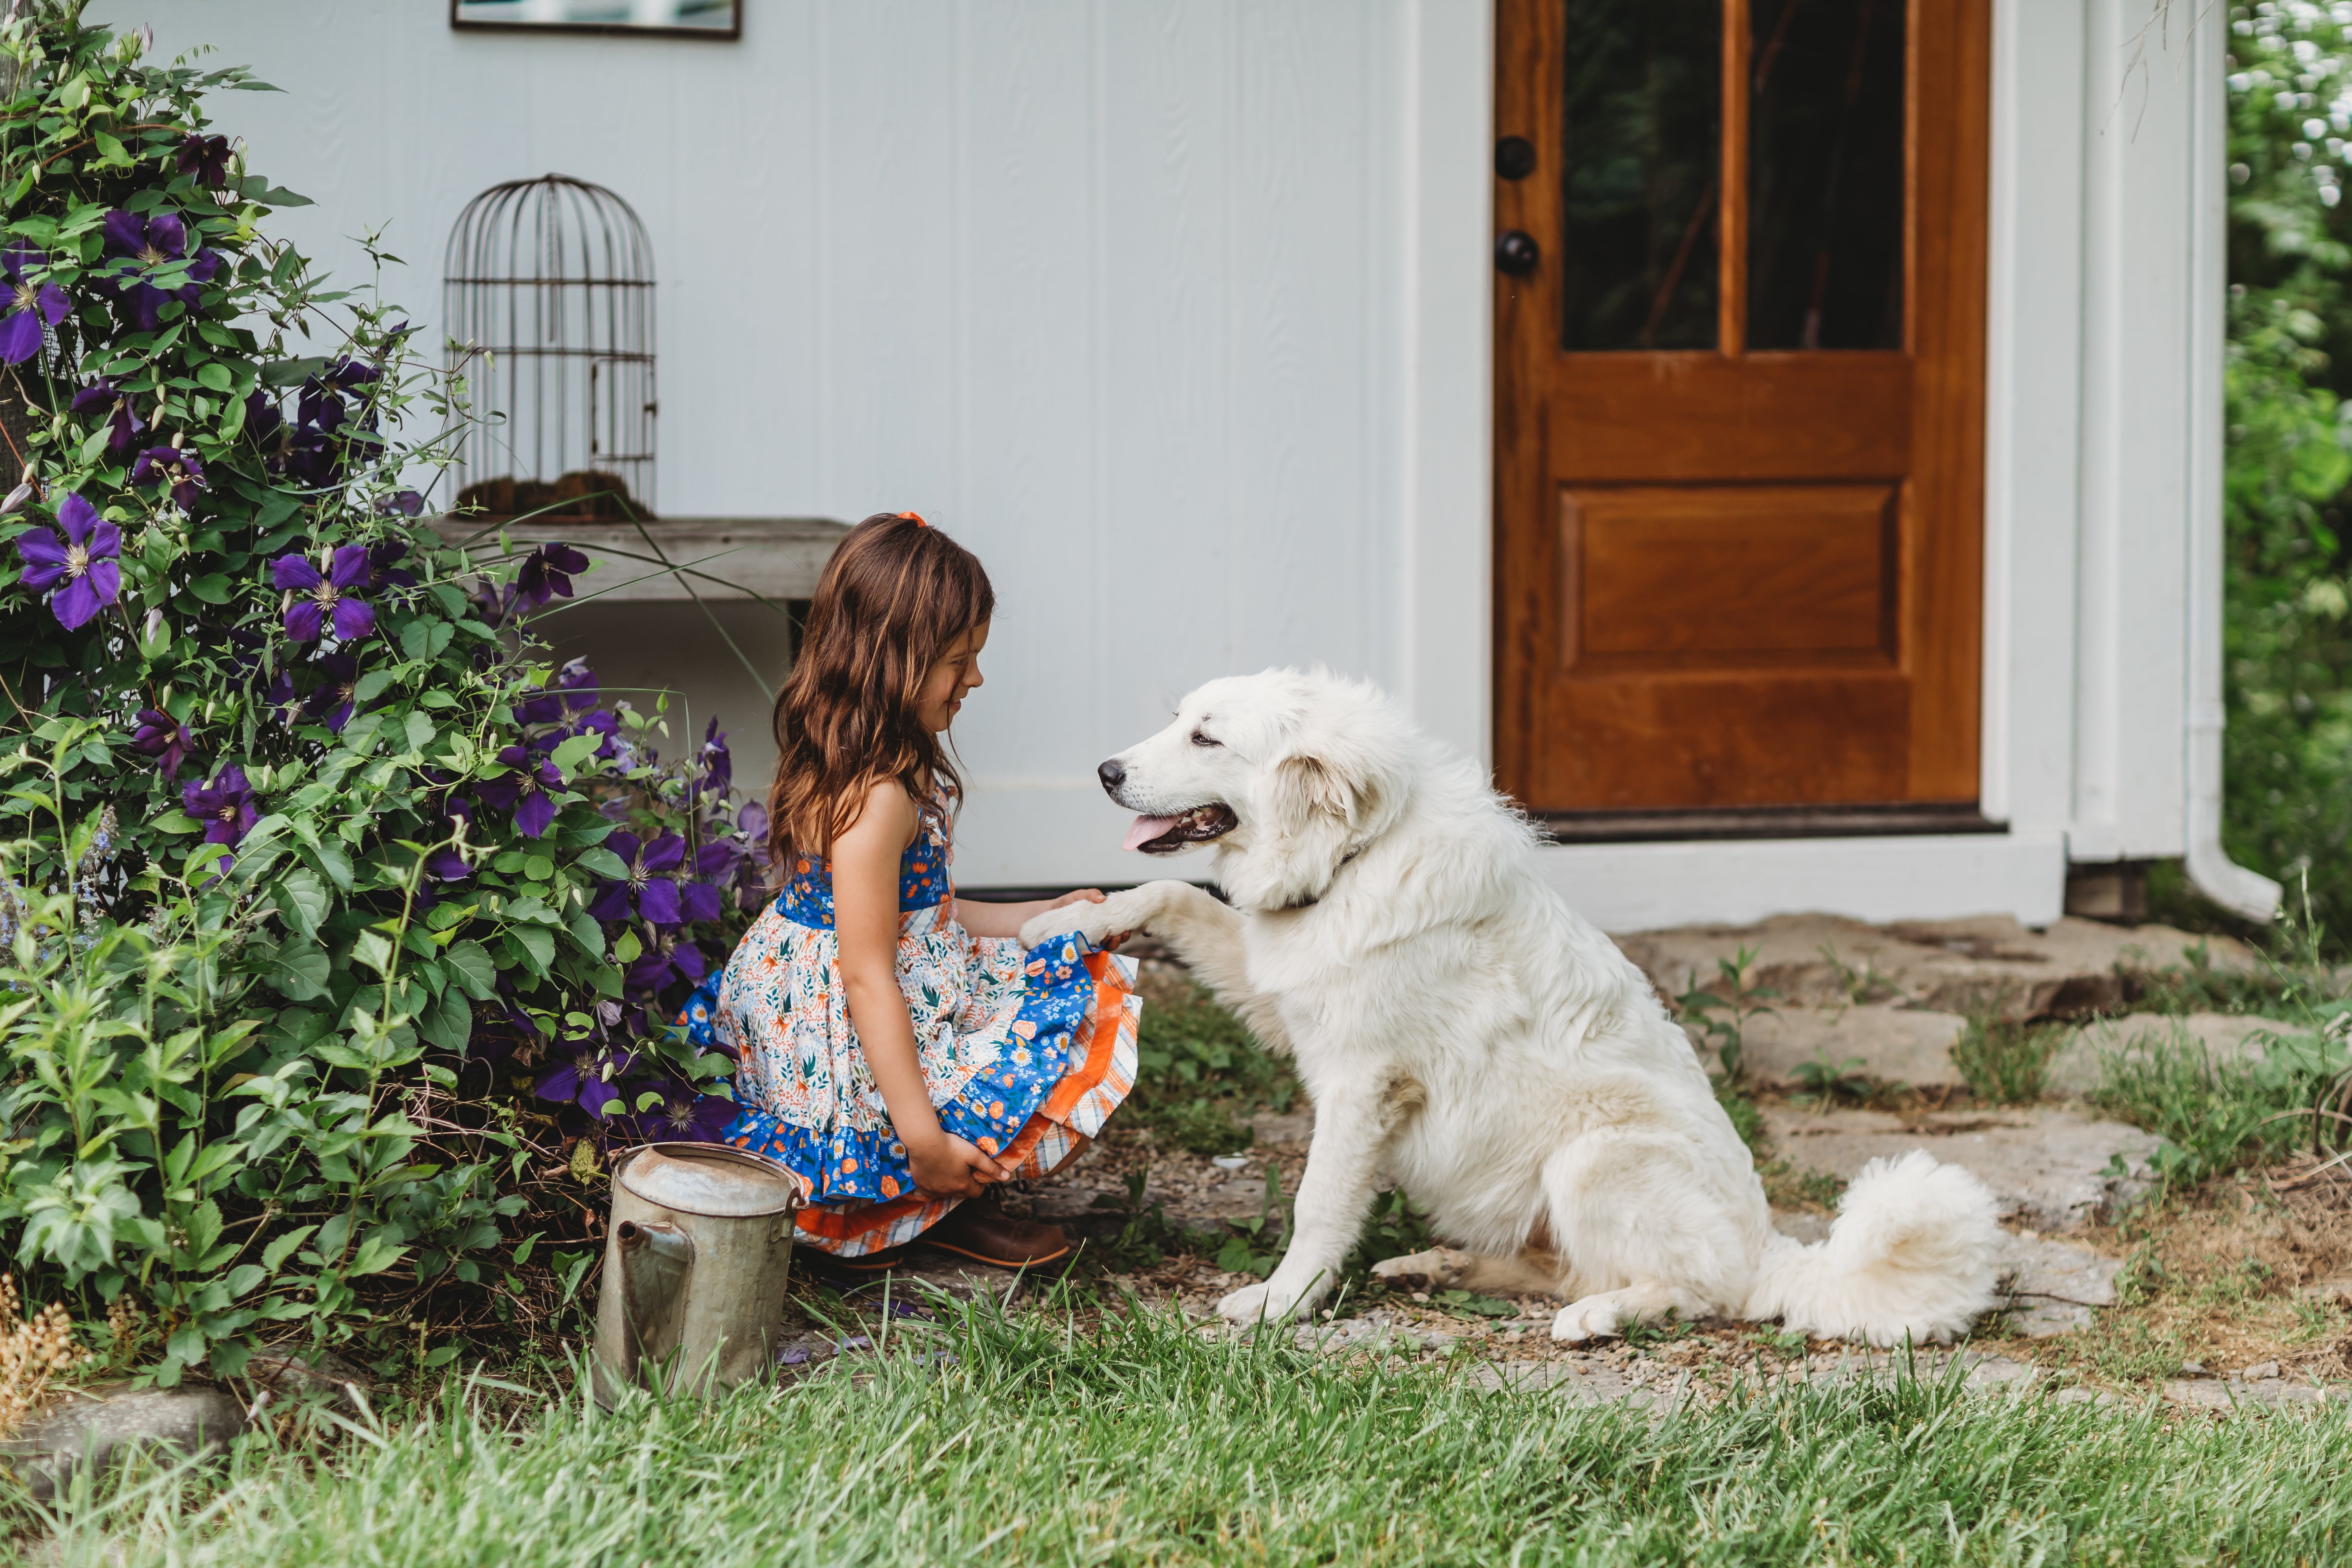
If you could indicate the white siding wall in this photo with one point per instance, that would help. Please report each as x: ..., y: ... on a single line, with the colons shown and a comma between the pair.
x: 1113, y: 290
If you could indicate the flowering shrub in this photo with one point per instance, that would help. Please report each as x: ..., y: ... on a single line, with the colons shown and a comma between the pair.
x: 337, y: 929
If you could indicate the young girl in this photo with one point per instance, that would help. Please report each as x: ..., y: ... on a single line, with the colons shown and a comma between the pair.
x: 896, y: 1048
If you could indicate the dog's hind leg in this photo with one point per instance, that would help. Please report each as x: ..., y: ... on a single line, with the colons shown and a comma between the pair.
x: 1642, y: 1233
x: 1530, y: 1273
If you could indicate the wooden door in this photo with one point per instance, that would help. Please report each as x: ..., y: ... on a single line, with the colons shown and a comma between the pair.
x: 1739, y: 347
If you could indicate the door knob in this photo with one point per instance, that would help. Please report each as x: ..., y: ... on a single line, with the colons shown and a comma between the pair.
x: 1515, y: 157
x: 1517, y: 253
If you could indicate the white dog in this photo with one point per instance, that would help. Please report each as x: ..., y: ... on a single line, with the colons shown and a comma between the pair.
x: 1464, y: 1033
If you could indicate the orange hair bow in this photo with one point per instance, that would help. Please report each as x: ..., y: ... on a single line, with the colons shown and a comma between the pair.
x: 916, y: 518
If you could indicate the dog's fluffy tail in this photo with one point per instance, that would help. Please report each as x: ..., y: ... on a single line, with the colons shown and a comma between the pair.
x: 1912, y: 1252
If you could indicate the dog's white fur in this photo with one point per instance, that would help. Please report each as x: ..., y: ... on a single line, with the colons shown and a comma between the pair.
x: 1465, y: 1034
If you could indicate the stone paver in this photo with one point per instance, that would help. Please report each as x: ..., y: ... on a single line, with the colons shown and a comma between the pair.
x: 2053, y: 1287
x: 2048, y: 1166
x: 1895, y: 1045
x: 1988, y: 963
x: 103, y: 1423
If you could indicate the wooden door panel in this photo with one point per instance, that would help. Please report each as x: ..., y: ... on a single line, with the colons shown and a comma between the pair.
x: 1776, y: 416
x: 1727, y: 577
x: 1795, y: 575
x: 1661, y: 744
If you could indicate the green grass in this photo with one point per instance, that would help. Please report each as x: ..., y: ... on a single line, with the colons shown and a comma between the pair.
x: 2218, y: 1114
x: 1197, y: 1070
x: 2006, y: 1063
x: 1146, y: 1443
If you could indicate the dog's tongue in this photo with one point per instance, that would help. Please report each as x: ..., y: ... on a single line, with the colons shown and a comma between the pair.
x: 1146, y: 830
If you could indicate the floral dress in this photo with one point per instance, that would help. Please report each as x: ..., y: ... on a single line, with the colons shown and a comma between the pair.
x: 1026, y: 1053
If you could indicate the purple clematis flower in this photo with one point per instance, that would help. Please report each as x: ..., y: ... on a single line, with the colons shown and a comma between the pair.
x: 530, y: 789
x: 139, y: 246
x: 654, y: 895
x: 446, y: 864
x: 407, y: 503
x: 263, y: 418
x: 547, y: 573
x: 686, y: 1117
x: 164, y: 737
x: 384, y: 569
x: 206, y: 158
x: 102, y: 397
x: 32, y: 308
x: 578, y: 684
x: 279, y: 696
x: 587, y: 1080
x: 84, y: 567
x: 334, y: 701
x: 182, y: 472
x: 717, y: 773
x: 225, y: 805
x: 669, y: 957
x: 313, y: 601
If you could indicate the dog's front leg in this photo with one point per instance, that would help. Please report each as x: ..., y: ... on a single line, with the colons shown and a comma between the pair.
x: 1342, y: 1162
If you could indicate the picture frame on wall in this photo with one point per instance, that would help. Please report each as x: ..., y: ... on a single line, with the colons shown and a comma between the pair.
x: 717, y: 19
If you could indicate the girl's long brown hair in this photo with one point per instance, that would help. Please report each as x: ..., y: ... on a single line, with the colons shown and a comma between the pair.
x: 896, y: 595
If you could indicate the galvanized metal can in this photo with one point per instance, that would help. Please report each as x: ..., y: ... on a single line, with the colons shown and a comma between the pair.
x: 695, y: 1260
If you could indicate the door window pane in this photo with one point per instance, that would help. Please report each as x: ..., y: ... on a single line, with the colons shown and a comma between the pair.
x: 1825, y: 174
x: 1641, y: 139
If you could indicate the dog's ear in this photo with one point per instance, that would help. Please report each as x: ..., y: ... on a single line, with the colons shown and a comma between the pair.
x: 1310, y: 810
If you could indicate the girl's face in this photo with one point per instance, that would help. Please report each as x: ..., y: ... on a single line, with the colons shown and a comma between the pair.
x: 956, y: 673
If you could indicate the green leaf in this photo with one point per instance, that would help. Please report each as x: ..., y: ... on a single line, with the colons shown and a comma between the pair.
x: 303, y: 900
x: 299, y: 970
x: 449, y: 1023
x: 280, y: 1250
x: 587, y: 933
x: 473, y: 970
x: 420, y: 732
x: 373, y: 949
x: 215, y: 375
x: 173, y: 822
x: 599, y: 861
x: 376, y: 1254
x: 536, y: 946
x: 213, y: 588
x: 568, y: 756
x: 627, y: 949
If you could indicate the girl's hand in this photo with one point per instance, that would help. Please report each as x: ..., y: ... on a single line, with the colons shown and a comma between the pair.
x: 951, y: 1168
x: 1082, y: 896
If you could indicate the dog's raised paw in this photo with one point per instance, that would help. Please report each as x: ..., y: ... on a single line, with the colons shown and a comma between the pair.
x: 1041, y: 929
x: 1594, y: 1318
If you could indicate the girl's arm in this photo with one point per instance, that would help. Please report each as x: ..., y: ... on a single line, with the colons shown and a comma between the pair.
x: 866, y: 920
x: 1006, y: 919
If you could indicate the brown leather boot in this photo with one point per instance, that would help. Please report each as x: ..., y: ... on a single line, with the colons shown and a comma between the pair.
x: 979, y: 1230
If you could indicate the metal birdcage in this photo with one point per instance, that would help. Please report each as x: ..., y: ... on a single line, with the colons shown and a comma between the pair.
x: 549, y: 291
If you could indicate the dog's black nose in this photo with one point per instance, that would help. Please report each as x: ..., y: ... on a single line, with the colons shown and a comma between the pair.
x: 1111, y: 775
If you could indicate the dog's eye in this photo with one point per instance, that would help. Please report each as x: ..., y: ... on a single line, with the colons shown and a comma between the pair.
x: 1202, y: 738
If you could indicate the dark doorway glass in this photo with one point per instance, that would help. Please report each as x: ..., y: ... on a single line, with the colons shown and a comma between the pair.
x: 1826, y: 159
x: 1642, y: 144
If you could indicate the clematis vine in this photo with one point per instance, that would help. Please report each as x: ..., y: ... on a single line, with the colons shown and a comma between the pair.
x: 547, y: 573
x: 715, y: 772
x: 653, y: 896
x: 668, y: 958
x: 529, y: 790
x: 335, y: 699
x: 140, y: 246
x: 32, y: 308
x: 183, y: 473
x: 102, y: 396
x: 84, y: 567
x: 165, y: 738
x: 316, y: 603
